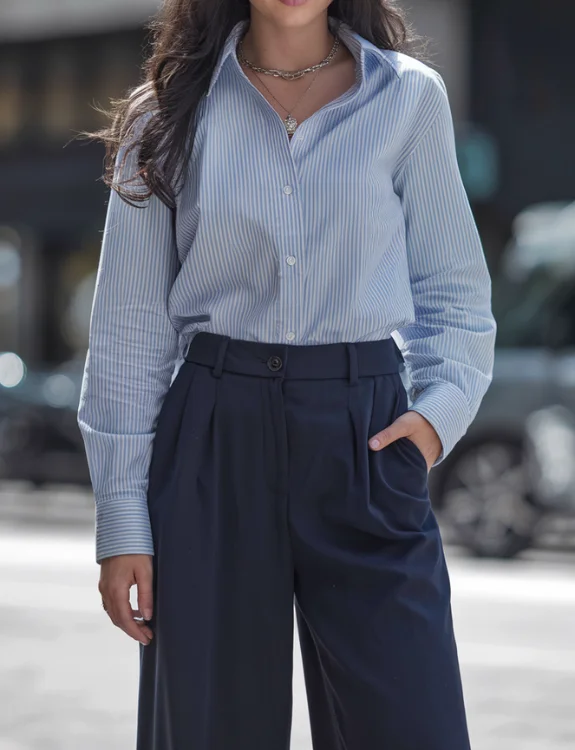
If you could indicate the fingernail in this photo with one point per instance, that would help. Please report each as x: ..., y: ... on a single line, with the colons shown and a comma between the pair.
x: 374, y: 443
x: 147, y: 614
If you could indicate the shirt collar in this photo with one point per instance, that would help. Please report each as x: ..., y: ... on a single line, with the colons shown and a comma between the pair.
x: 357, y: 45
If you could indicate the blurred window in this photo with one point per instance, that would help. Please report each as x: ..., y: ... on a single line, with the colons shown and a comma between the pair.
x: 11, y: 99
x: 523, y: 73
x: 49, y: 89
x: 10, y: 287
x: 59, y: 92
x: 118, y: 69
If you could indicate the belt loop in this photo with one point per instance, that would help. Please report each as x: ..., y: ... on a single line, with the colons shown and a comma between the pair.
x: 218, y: 367
x: 282, y: 373
x: 353, y: 370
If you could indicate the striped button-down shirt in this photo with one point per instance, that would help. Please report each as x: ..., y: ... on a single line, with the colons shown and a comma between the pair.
x: 357, y: 229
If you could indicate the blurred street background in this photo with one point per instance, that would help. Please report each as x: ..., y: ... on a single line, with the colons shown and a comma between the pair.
x: 505, y: 496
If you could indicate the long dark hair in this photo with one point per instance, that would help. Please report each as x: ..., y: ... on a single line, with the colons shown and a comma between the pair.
x: 186, y: 37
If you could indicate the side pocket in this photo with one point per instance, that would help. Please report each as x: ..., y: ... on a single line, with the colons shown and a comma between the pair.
x: 167, y: 434
x: 398, y: 472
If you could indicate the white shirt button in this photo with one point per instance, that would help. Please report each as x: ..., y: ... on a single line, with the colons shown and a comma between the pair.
x: 288, y: 189
x: 290, y: 335
x: 290, y: 260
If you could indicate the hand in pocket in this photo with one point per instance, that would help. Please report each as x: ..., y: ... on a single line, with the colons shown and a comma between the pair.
x: 414, y: 427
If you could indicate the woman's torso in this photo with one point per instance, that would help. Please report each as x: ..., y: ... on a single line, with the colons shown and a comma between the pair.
x: 303, y: 240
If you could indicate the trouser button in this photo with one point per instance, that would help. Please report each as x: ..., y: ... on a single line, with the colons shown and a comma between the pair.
x: 274, y: 363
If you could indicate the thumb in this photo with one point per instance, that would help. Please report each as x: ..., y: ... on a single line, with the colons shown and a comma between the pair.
x: 391, y: 433
x: 143, y: 575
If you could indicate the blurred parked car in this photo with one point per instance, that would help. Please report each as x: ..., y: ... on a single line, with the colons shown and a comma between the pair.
x: 39, y: 437
x: 550, y: 459
x: 482, y: 490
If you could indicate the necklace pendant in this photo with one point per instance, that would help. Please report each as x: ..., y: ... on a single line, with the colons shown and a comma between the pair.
x: 291, y: 124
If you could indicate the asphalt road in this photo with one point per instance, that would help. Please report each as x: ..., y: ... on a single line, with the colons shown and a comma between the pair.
x: 68, y: 677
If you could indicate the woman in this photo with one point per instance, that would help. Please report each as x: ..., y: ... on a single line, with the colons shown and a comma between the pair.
x: 267, y: 233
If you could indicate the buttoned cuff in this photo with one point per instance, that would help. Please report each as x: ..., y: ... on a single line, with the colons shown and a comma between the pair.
x: 122, y: 527
x: 445, y: 408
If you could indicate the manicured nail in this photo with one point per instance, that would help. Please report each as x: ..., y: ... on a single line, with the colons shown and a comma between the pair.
x: 374, y: 443
x: 147, y: 614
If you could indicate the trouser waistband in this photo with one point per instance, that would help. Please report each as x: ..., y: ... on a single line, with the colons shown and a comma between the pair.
x: 293, y: 361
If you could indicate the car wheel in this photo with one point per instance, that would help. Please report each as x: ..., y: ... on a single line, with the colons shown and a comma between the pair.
x: 486, y: 501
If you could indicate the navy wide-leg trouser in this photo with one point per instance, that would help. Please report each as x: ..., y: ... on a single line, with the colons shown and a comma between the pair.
x: 262, y: 488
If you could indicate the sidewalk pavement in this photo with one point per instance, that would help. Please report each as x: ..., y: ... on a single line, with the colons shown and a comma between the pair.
x: 21, y: 502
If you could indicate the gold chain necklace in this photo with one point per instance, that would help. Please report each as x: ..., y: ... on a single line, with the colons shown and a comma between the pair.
x: 290, y: 122
x: 289, y: 75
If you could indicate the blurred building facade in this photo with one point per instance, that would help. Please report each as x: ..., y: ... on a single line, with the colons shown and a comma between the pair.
x: 507, y: 67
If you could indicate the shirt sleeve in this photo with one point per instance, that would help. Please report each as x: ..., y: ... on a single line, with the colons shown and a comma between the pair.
x: 130, y: 361
x: 449, y: 349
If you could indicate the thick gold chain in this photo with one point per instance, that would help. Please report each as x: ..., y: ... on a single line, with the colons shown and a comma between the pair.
x: 288, y: 75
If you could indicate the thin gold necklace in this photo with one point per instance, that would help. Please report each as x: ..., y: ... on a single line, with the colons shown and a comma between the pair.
x: 290, y: 122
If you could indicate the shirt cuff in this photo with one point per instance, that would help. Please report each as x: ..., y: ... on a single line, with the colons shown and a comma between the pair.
x: 123, y: 527
x: 445, y: 408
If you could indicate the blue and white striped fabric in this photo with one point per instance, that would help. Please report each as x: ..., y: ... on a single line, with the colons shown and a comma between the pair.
x: 357, y: 229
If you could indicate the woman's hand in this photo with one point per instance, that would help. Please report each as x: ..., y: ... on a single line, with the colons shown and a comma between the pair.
x: 415, y: 427
x: 117, y: 575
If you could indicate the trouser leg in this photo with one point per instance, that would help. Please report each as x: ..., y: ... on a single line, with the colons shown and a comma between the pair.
x: 218, y: 672
x: 324, y: 725
x: 371, y: 580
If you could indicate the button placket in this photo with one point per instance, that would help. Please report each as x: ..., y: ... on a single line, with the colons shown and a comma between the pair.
x: 290, y: 287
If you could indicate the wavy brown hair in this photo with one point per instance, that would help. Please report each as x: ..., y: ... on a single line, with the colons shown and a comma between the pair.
x: 158, y: 115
